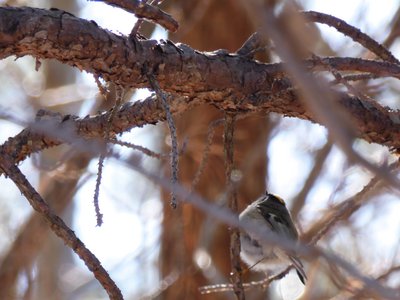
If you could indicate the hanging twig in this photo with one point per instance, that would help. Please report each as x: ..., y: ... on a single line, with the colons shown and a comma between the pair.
x: 162, y: 97
x: 206, y: 152
x: 103, y: 154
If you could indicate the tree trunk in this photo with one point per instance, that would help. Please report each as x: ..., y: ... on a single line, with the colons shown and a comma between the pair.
x: 208, y: 25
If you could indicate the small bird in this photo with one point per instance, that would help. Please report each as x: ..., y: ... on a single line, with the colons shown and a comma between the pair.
x: 269, y: 212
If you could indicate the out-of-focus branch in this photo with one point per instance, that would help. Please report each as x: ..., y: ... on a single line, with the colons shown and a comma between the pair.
x: 310, y: 251
x: 143, y: 10
x: 32, y: 235
x: 218, y: 288
x: 337, y: 120
x: 342, y: 210
x: 210, y: 209
x: 389, y: 272
x: 59, y: 227
x: 395, y: 29
x: 319, y: 161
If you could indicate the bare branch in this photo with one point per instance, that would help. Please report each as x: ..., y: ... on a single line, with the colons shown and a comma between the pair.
x: 218, y: 288
x: 253, y: 44
x: 343, y: 210
x: 206, y: 152
x: 337, y: 120
x: 142, y: 149
x: 228, y: 81
x: 227, y: 217
x: 233, y: 205
x: 353, y: 33
x: 59, y: 227
x: 32, y: 235
x: 119, y: 97
x: 174, y: 141
x: 146, y: 11
x: 319, y: 161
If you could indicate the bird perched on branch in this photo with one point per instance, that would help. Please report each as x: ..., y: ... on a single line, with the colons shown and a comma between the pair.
x: 269, y: 214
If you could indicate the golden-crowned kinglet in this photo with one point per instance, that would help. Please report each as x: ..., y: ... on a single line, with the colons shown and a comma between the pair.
x: 269, y: 212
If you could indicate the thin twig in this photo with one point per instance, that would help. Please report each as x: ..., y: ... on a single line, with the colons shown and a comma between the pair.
x: 145, y: 150
x: 100, y: 166
x: 228, y: 287
x: 319, y: 161
x: 143, y: 10
x: 102, y: 156
x: 162, y: 97
x: 100, y: 86
x: 233, y: 205
x: 358, y: 77
x: 142, y: 149
x: 389, y: 272
x: 353, y: 33
x: 139, y: 22
x: 342, y: 210
x: 253, y: 44
x: 377, y: 68
x: 206, y: 152
x: 339, y: 78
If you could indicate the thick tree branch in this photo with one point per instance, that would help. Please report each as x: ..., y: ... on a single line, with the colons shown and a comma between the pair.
x: 231, y: 82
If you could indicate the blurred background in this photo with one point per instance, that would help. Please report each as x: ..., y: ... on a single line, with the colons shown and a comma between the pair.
x: 150, y: 250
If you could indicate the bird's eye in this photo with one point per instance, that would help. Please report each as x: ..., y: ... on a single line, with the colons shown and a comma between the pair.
x: 278, y: 220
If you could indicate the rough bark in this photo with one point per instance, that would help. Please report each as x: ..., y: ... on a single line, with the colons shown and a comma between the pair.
x: 230, y: 82
x: 205, y: 33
